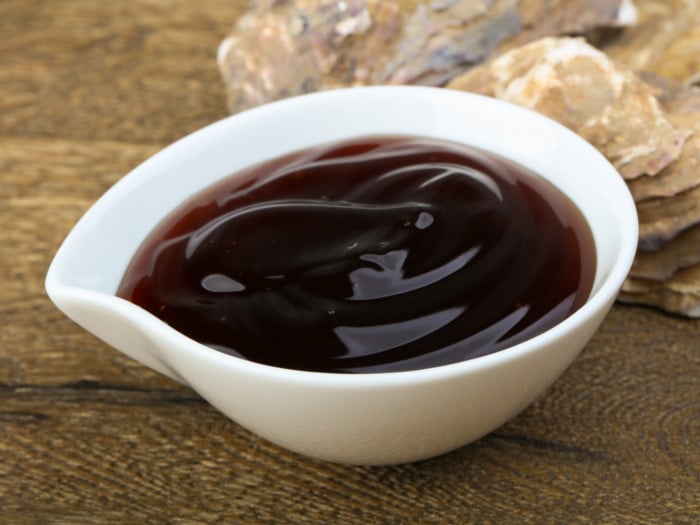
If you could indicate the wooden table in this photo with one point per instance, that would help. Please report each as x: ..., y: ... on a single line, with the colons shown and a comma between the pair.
x: 90, y: 89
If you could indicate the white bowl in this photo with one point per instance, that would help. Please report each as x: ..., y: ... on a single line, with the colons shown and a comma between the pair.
x: 378, y: 418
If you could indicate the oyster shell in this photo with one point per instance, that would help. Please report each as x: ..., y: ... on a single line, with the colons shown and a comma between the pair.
x: 543, y: 18
x: 670, y: 202
x: 578, y: 85
x: 665, y: 40
x: 682, y: 106
x: 281, y: 48
x: 680, y: 293
x: 680, y: 252
x: 661, y: 219
x: 648, y: 128
x: 440, y: 39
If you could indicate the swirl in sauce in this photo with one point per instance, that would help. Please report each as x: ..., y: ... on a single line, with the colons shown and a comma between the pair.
x: 378, y: 254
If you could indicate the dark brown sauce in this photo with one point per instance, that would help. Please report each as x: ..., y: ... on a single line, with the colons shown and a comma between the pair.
x: 379, y: 254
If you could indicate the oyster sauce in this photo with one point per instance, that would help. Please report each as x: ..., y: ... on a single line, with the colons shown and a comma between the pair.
x: 377, y: 254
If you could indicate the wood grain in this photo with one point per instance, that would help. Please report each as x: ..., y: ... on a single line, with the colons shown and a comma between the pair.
x: 90, y: 89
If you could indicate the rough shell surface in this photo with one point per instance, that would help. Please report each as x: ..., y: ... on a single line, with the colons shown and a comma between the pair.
x: 578, y: 85
x: 680, y: 252
x: 282, y: 48
x: 682, y: 105
x: 665, y: 40
x: 680, y: 293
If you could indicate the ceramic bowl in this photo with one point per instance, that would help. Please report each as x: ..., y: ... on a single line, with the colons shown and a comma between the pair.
x: 380, y: 418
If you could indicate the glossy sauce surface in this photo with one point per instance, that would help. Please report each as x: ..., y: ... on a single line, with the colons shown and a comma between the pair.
x: 374, y: 255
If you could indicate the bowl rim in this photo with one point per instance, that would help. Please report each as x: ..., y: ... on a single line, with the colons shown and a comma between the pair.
x: 597, y: 301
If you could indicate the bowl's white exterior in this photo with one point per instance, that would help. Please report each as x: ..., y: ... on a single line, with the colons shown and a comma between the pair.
x: 366, y: 418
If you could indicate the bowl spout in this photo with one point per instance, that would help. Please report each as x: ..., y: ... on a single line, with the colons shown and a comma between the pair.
x: 113, y: 321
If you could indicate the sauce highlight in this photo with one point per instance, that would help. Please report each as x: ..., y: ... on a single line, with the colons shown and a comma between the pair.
x: 371, y: 255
